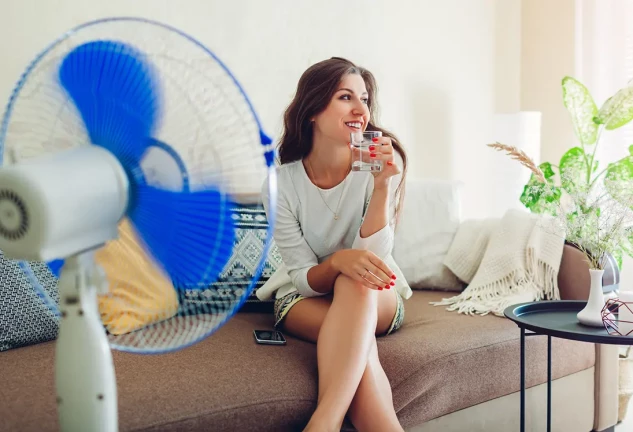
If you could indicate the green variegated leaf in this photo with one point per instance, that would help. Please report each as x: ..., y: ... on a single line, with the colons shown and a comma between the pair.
x: 541, y: 197
x: 548, y: 171
x: 582, y: 109
x: 617, y: 110
x: 573, y: 170
x: 549, y: 202
x: 619, y: 181
x: 532, y: 192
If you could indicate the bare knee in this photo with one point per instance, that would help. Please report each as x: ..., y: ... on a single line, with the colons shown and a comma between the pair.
x: 348, y: 289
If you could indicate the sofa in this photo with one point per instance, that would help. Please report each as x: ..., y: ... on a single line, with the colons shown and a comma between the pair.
x: 448, y: 371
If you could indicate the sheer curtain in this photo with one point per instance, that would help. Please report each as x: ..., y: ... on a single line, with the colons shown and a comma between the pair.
x: 604, y: 61
x: 604, y: 64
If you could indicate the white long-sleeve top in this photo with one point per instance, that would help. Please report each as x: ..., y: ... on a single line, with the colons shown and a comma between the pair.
x: 306, y: 232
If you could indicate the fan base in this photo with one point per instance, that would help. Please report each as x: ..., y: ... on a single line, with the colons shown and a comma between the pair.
x: 84, y: 371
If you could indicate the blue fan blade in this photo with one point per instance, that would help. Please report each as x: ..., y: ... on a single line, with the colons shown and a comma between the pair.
x: 189, y: 234
x: 116, y: 94
x: 56, y: 267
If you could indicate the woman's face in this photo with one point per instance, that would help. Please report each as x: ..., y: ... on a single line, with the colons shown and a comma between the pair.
x: 347, y: 111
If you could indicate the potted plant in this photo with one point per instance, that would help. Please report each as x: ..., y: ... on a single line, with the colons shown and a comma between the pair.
x: 592, y: 204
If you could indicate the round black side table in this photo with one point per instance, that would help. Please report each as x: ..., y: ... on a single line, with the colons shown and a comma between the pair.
x: 555, y: 318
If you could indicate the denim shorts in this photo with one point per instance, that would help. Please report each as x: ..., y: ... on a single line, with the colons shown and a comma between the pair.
x: 285, y: 303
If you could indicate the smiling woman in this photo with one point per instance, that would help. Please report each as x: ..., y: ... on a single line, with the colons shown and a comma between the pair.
x: 335, y: 232
x: 319, y: 88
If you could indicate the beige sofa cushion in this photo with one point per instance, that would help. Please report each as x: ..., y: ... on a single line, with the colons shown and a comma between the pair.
x: 438, y: 362
x: 456, y: 361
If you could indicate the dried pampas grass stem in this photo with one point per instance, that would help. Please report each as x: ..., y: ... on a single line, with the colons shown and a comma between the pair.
x: 519, y: 155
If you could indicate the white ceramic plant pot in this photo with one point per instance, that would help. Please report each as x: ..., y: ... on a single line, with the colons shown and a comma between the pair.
x: 591, y: 315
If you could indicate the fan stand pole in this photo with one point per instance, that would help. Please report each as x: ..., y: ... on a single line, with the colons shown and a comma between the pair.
x: 84, y: 371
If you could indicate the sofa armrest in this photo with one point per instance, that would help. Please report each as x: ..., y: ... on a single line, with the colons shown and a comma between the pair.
x: 606, y: 387
x: 573, y: 274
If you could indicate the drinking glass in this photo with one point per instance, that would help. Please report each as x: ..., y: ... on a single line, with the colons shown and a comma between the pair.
x: 361, y: 159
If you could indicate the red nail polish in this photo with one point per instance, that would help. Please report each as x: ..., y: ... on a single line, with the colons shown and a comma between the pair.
x: 387, y: 287
x: 372, y: 154
x: 389, y: 163
x: 374, y: 139
x: 372, y: 148
x: 392, y: 283
x: 393, y: 276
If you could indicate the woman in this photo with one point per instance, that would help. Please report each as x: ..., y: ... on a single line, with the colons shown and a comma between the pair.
x: 334, y: 231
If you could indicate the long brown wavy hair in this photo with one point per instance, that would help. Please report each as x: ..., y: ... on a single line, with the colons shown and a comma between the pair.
x: 315, y: 90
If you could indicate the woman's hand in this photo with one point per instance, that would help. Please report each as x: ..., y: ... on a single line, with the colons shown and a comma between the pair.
x: 382, y: 150
x: 364, y: 267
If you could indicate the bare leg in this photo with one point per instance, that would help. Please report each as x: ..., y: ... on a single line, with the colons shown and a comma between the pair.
x: 342, y: 351
x: 307, y: 321
x: 372, y: 407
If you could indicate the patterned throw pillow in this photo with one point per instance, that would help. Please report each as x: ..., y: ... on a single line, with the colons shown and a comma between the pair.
x: 24, y: 318
x: 251, y: 228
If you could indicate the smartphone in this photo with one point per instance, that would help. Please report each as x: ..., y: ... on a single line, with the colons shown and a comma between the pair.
x: 269, y: 337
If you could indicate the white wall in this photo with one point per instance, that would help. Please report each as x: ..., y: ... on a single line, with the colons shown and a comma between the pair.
x: 434, y: 61
x: 508, y: 24
x: 536, y: 44
x: 548, y: 39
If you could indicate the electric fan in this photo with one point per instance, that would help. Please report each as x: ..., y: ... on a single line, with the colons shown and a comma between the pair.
x: 126, y: 122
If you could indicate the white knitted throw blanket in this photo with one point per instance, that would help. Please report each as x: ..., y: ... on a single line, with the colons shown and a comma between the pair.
x: 504, y: 261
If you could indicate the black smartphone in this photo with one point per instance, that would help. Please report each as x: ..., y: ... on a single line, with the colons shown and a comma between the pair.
x: 269, y: 337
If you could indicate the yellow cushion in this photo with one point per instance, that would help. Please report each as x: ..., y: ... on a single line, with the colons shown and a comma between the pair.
x: 140, y: 293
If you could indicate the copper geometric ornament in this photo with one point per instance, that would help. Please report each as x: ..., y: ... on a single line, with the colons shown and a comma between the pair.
x: 613, y: 324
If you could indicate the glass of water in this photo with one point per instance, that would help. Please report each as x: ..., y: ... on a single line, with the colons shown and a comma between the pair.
x: 361, y: 159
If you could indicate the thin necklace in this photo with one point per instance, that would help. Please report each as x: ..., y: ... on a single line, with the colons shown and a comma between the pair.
x: 335, y: 213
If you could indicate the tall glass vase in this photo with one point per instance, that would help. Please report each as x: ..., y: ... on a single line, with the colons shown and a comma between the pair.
x: 591, y: 315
